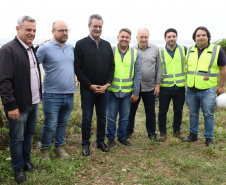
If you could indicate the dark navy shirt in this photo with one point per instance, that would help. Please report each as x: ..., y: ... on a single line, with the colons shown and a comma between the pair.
x: 171, y: 53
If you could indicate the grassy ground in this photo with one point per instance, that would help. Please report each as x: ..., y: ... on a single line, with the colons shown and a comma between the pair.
x: 146, y: 162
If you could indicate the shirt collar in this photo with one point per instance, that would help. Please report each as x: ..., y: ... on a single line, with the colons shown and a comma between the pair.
x: 94, y: 39
x: 122, y: 52
x: 167, y: 49
x: 204, y: 47
x: 24, y: 45
x: 148, y: 46
x: 54, y: 43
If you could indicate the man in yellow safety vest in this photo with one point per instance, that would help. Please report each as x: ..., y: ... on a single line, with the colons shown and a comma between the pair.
x: 204, y: 62
x: 173, y: 84
x: 124, y: 88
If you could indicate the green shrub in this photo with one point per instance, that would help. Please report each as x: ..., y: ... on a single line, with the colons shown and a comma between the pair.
x: 4, y: 131
x: 222, y: 44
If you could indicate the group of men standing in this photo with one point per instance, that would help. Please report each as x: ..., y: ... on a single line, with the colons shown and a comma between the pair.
x: 112, y: 79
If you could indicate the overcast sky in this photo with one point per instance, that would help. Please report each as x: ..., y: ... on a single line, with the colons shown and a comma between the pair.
x: 156, y: 15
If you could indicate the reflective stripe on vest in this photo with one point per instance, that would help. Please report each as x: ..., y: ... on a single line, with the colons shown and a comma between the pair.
x: 180, y: 82
x: 123, y: 87
x: 189, y: 50
x: 124, y: 84
x: 198, y: 76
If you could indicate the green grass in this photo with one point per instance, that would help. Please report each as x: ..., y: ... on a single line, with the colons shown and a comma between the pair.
x: 146, y: 162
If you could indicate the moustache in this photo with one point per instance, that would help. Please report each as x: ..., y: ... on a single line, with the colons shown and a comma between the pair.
x: 96, y: 31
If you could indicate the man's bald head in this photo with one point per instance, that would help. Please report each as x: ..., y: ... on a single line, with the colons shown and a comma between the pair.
x: 60, y: 32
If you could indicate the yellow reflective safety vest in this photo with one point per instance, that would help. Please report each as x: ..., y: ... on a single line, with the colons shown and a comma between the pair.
x: 203, y: 71
x: 173, y: 69
x: 124, y: 71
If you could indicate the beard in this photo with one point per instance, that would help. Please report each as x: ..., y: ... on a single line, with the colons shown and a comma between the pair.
x: 61, y: 39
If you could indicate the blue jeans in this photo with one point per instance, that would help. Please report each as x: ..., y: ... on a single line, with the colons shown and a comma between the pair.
x: 21, y: 132
x: 115, y: 106
x: 206, y: 100
x: 149, y: 105
x: 165, y: 96
x: 88, y: 100
x: 57, y: 110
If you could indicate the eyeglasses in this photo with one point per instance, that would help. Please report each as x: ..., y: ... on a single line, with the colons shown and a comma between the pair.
x: 62, y: 31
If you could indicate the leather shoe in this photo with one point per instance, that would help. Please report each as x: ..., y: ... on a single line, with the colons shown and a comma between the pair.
x: 124, y: 142
x: 29, y: 167
x: 103, y: 147
x: 111, y: 143
x: 153, y: 137
x: 209, y: 142
x: 192, y: 137
x: 19, y: 176
x: 85, y: 150
x: 178, y: 135
x: 162, y: 137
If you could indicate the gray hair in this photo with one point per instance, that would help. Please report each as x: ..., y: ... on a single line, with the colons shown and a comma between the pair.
x: 142, y: 29
x: 24, y: 18
x: 96, y: 16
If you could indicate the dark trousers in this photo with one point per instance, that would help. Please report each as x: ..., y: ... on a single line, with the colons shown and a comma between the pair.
x: 88, y: 100
x: 165, y: 96
x: 149, y: 105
